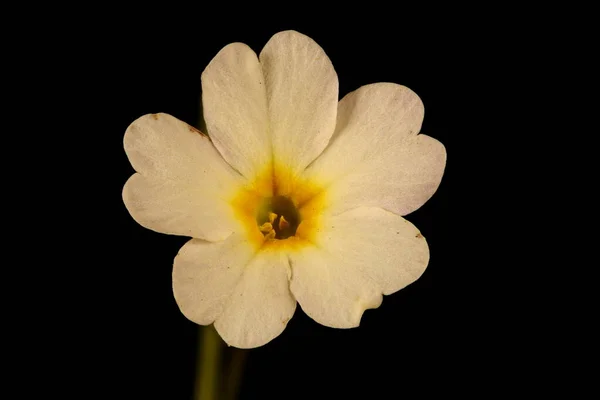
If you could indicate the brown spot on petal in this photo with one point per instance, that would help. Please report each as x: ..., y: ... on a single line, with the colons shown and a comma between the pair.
x: 194, y: 130
x: 155, y: 116
x: 419, y: 235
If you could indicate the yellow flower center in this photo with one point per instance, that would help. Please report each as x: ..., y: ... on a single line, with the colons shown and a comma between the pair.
x: 278, y: 218
x: 279, y: 210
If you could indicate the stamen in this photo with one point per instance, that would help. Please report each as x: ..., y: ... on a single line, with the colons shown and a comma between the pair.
x: 283, y: 224
x: 270, y: 235
x: 266, y: 228
x: 272, y: 217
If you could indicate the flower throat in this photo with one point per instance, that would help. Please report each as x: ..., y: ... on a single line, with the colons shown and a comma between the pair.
x: 278, y: 218
x: 279, y: 210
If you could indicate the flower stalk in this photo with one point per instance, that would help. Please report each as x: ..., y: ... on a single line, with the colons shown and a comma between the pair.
x: 208, y: 364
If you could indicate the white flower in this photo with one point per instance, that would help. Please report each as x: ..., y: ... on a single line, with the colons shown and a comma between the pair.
x: 293, y: 198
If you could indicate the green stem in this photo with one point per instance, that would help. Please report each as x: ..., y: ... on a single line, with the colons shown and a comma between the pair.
x: 236, y: 368
x: 208, y: 364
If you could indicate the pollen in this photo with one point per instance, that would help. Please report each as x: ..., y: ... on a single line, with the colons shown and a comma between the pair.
x: 279, y: 210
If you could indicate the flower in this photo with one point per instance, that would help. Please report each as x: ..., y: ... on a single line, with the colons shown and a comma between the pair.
x: 294, y: 197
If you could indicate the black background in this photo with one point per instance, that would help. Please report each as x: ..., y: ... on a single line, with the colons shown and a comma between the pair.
x: 416, y: 341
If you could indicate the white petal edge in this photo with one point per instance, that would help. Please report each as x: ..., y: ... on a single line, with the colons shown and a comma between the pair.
x: 234, y: 103
x: 375, y: 158
x: 261, y: 304
x: 358, y: 256
x: 302, y: 97
x: 181, y: 181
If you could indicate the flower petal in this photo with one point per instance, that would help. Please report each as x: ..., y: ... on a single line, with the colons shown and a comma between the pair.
x: 244, y: 292
x: 375, y: 157
x: 205, y: 274
x: 235, y: 109
x: 328, y: 290
x: 358, y: 255
x: 302, y: 93
x: 181, y: 181
x: 261, y: 304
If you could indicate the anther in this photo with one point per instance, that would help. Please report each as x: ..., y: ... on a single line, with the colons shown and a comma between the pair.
x: 283, y: 224
x: 272, y: 217
x: 270, y: 235
x: 267, y: 227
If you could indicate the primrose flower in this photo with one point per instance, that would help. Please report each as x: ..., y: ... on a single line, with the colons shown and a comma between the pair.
x: 294, y: 196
